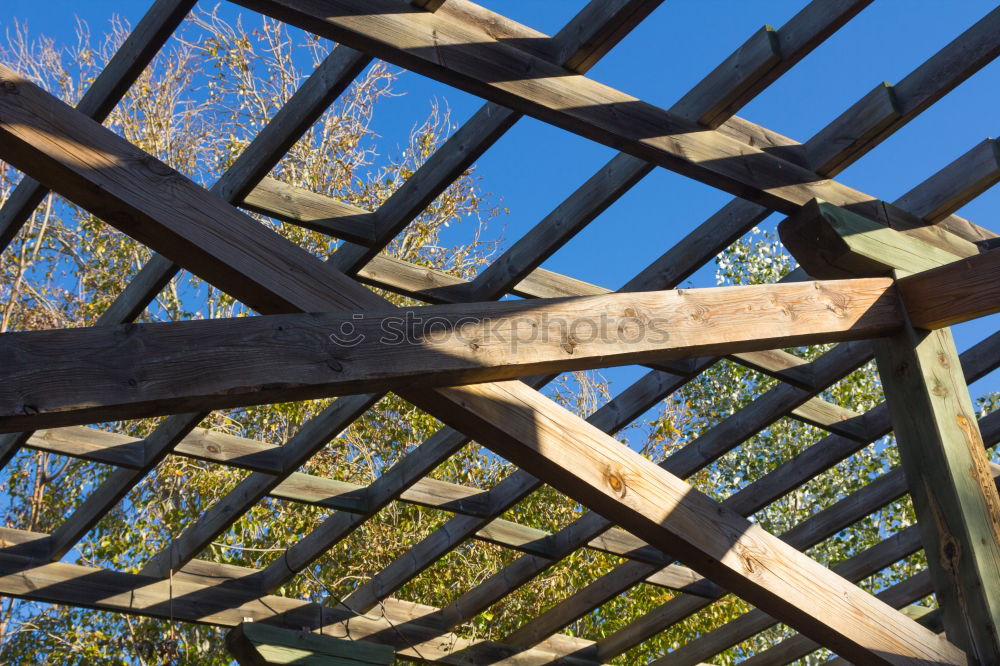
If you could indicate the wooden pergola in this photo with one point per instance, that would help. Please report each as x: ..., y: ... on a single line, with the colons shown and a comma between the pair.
x: 884, y: 280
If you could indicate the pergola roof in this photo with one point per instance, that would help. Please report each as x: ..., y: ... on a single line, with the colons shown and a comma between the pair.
x: 897, y: 272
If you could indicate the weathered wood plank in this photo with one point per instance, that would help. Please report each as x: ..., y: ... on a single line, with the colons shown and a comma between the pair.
x: 125, y: 66
x: 831, y: 242
x: 953, y: 293
x: 950, y: 482
x: 62, y: 377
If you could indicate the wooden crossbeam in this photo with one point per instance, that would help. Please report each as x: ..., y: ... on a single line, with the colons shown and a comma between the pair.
x: 74, y: 376
x: 953, y: 293
x: 276, y: 276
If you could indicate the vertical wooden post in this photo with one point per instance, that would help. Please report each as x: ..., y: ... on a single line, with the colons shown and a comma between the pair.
x: 950, y: 482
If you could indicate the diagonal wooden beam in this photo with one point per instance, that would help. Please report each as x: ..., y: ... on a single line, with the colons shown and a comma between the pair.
x: 128, y: 62
x: 45, y: 137
x: 328, y: 80
x: 976, y: 363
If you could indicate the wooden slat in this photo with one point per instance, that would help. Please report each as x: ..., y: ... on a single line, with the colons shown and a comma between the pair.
x: 481, y: 65
x: 955, y: 185
x: 176, y: 366
x: 125, y: 66
x: 953, y: 293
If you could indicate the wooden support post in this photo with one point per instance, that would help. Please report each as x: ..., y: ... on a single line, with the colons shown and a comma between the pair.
x: 950, y: 482
x: 932, y: 415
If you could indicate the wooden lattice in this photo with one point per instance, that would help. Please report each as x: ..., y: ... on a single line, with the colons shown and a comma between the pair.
x: 883, y: 280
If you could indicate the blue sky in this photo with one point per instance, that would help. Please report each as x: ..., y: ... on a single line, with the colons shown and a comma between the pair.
x: 535, y: 166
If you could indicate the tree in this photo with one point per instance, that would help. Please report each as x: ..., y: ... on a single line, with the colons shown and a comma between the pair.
x: 197, y: 107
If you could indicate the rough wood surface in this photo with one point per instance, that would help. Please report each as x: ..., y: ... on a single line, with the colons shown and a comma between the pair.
x: 73, y: 376
x: 953, y: 293
x: 950, y: 482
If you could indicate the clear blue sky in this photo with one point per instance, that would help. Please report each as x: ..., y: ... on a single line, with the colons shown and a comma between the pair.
x: 535, y: 166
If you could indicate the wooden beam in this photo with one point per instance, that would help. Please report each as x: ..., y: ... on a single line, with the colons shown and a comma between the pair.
x: 125, y: 66
x: 953, y: 293
x: 190, y: 599
x: 274, y: 275
x: 64, y: 377
x: 831, y: 242
x: 260, y: 644
x: 955, y: 185
x: 976, y: 362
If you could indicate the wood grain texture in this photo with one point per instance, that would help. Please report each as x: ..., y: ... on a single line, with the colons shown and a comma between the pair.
x: 912, y: 641
x: 950, y: 481
x: 831, y: 242
x: 73, y: 376
x: 953, y: 293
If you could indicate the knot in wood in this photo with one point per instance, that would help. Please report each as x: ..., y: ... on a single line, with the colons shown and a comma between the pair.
x: 616, y: 482
x: 750, y: 563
